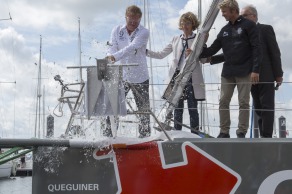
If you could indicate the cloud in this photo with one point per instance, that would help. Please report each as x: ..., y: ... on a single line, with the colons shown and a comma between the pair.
x: 60, y: 14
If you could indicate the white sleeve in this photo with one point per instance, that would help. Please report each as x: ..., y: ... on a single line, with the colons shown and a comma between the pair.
x: 160, y: 54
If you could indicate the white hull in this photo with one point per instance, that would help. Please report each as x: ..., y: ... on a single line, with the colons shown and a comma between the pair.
x: 5, y: 170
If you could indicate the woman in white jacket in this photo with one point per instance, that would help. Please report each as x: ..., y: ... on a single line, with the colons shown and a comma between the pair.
x: 194, y: 90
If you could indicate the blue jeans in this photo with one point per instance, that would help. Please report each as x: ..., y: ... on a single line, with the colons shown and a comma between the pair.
x: 192, y: 107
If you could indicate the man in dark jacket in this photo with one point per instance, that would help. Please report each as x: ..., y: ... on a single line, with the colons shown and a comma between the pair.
x: 270, y: 69
x: 239, y: 41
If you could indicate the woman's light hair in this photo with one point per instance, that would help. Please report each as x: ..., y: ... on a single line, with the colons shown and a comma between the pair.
x: 133, y: 10
x: 189, y: 17
x: 231, y: 4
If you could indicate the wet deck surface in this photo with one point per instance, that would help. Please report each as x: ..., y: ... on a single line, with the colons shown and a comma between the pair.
x: 16, y: 185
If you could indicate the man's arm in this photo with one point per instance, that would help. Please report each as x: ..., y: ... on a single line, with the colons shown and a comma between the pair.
x: 213, y: 49
x: 274, y: 53
x: 254, y: 40
x: 160, y: 54
x: 215, y: 59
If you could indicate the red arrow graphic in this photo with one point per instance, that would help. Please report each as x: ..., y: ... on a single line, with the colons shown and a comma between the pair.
x: 142, y: 170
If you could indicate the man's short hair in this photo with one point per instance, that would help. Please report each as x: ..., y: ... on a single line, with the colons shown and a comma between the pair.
x: 133, y: 10
x: 231, y: 4
x: 252, y: 9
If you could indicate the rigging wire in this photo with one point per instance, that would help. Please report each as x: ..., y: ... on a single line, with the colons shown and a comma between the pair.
x: 146, y: 6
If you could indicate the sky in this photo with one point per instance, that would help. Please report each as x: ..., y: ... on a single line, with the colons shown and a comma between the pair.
x: 56, y: 24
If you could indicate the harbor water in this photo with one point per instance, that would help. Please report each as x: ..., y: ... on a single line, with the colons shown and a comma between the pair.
x: 16, y: 185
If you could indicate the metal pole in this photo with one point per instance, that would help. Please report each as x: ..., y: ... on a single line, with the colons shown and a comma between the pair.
x: 81, y: 80
x: 201, y: 103
x: 150, y: 59
x: 151, y: 80
x: 79, y: 46
x: 38, y: 105
x: 44, y: 118
x: 25, y: 143
x: 29, y: 143
x: 39, y: 89
x: 256, y: 128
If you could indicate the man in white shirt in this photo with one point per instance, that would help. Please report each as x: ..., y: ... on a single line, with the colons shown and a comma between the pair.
x: 128, y: 45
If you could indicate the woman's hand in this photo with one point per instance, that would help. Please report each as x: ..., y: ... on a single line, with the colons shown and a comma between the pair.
x: 188, y: 51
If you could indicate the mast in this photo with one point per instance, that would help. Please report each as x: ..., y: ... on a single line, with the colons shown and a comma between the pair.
x: 44, y: 116
x: 39, y: 95
x: 80, y: 69
x: 79, y: 49
x: 79, y: 99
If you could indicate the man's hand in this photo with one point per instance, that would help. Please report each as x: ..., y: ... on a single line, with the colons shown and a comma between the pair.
x: 111, y: 59
x: 279, y: 80
x: 254, y: 78
x: 205, y: 60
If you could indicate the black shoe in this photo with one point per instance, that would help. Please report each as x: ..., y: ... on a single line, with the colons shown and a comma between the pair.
x: 240, y: 135
x: 223, y: 135
x: 197, y: 132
